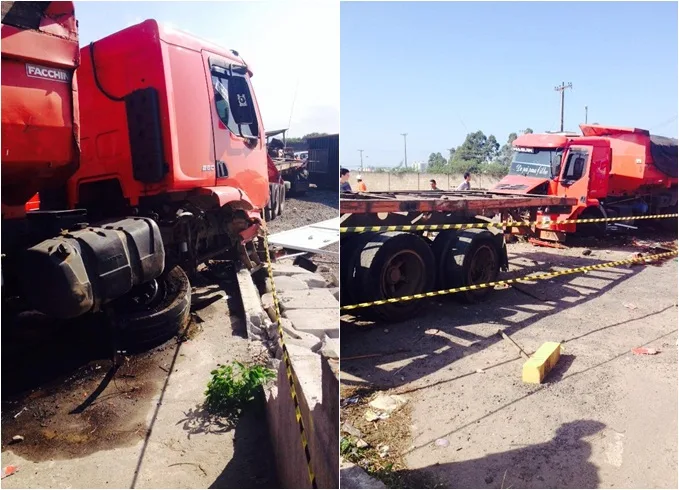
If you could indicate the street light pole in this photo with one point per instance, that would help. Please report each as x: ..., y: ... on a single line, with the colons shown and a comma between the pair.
x: 405, y: 149
x: 361, y: 152
x: 562, y: 88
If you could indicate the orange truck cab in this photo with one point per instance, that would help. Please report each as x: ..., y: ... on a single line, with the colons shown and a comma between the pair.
x: 147, y: 150
x: 611, y: 171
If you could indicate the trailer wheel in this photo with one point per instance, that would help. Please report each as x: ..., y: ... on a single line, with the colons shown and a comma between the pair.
x: 155, y: 313
x: 395, y: 265
x: 475, y: 258
x: 350, y: 260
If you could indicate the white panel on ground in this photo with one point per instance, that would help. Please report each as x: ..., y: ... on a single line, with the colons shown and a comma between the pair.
x: 310, y: 238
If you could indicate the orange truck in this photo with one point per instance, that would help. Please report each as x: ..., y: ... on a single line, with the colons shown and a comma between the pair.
x: 611, y: 171
x: 148, y: 153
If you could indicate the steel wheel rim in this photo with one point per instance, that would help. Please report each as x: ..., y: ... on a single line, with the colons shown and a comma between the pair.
x: 403, y: 274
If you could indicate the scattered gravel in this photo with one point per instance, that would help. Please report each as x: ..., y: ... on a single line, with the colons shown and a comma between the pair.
x: 317, y: 205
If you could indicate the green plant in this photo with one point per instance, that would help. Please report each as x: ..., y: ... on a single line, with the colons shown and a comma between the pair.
x: 233, y: 386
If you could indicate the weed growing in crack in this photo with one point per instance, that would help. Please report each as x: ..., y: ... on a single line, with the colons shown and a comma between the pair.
x: 233, y: 386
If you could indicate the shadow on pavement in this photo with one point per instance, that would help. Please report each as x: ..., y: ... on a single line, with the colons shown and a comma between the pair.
x: 442, y: 332
x: 561, y: 462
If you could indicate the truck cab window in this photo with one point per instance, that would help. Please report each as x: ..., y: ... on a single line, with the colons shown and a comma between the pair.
x: 221, y: 84
x: 575, y: 165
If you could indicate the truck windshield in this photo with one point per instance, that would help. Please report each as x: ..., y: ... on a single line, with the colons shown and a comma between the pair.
x: 536, y: 162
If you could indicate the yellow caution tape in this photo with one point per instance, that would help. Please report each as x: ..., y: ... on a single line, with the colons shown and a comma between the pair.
x: 496, y: 224
x: 474, y: 287
x: 288, y: 368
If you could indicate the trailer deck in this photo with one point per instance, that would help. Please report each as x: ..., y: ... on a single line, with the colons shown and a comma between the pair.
x: 447, y: 202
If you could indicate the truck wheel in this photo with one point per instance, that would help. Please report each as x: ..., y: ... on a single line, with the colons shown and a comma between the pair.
x: 475, y: 258
x: 154, y: 313
x: 596, y: 230
x: 442, y: 249
x: 394, y: 265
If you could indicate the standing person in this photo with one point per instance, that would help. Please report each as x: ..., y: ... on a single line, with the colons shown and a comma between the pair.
x: 465, y: 185
x: 361, y: 185
x: 432, y: 185
x: 345, y: 175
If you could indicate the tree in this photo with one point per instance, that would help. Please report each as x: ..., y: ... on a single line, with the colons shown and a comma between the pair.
x: 505, y: 155
x: 528, y: 131
x: 437, y: 163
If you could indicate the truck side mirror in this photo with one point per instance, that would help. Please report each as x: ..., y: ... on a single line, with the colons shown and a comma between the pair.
x: 240, y: 101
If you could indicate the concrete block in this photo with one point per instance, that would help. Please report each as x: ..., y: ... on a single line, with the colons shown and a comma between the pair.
x: 541, y: 363
x: 312, y: 280
x: 330, y: 348
x: 335, y: 292
x: 317, y: 322
x: 287, y: 270
x: 308, y: 299
x: 287, y: 283
x: 269, y: 307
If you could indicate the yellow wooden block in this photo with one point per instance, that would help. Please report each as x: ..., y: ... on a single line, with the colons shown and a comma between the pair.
x: 536, y: 368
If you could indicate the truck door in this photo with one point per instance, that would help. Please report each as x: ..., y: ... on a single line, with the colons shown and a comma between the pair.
x: 238, y: 134
x: 574, y: 181
x: 600, y: 170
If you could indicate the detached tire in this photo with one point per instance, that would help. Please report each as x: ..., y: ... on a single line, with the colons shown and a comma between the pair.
x: 143, y: 327
x: 394, y: 265
x: 475, y: 258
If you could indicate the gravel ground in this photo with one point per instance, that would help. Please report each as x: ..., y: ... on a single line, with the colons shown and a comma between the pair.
x: 603, y: 418
x: 317, y: 205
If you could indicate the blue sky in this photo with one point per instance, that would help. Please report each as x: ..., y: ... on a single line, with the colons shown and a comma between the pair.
x: 438, y: 71
x: 274, y: 37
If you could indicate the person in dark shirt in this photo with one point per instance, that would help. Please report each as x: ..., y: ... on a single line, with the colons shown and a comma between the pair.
x: 345, y: 175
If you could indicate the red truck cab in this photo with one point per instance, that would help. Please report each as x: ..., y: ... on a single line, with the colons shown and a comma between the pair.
x: 611, y: 171
x: 181, y: 117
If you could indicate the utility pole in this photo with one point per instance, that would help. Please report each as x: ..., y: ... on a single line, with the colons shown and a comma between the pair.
x: 562, y: 88
x: 405, y: 149
x: 361, y: 152
x: 585, y: 114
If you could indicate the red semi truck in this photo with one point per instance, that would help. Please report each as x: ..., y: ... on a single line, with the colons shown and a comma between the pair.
x: 148, y: 153
x: 611, y: 171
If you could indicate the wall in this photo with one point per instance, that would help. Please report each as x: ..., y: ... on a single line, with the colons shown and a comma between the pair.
x: 414, y: 182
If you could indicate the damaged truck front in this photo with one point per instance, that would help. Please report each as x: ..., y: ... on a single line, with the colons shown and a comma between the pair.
x: 142, y: 173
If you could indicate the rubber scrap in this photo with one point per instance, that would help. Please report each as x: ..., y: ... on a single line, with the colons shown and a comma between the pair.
x: 536, y: 369
x: 644, y: 351
x: 9, y: 471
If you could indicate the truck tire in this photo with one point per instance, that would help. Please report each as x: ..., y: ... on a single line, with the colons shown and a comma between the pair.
x: 141, y: 327
x: 596, y: 230
x: 396, y: 264
x: 475, y: 258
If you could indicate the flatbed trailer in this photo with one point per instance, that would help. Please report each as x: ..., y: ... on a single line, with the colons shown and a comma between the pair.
x: 377, y: 265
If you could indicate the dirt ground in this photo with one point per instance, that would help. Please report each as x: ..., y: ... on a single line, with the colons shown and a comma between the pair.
x: 604, y: 417
x: 317, y: 205
x: 147, y: 427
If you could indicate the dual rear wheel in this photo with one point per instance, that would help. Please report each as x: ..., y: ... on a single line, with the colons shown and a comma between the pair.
x: 379, y: 266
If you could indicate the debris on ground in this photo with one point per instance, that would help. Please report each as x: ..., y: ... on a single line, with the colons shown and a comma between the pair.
x: 383, y: 450
x: 372, y: 416
x: 586, y: 252
x: 644, y: 351
x: 630, y: 306
x: 541, y: 243
x: 9, y: 471
x: 361, y: 444
x: 442, y: 442
x: 17, y: 439
x: 388, y: 403
x: 350, y: 401
x: 480, y: 371
x: 351, y: 430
